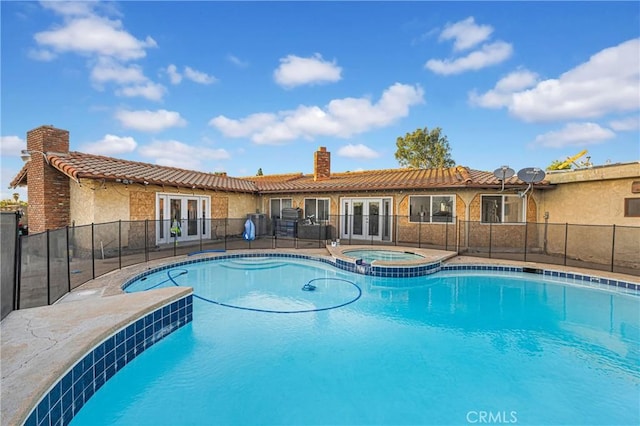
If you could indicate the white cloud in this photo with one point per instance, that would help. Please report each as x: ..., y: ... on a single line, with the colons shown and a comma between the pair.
x: 244, y: 127
x: 466, y: 33
x: 149, y: 90
x: 190, y: 74
x: 626, y: 124
x: 106, y: 70
x: 198, y: 76
x: 94, y: 35
x: 104, y: 41
x: 608, y: 82
x: 237, y: 61
x: 489, y: 54
x: 504, y: 89
x: 41, y: 55
x: 178, y: 154
x: 150, y: 121
x: 296, y: 71
x: 359, y: 151
x: 111, y: 145
x: 12, y: 145
x: 574, y: 134
x: 70, y: 8
x: 174, y: 75
x: 341, y: 118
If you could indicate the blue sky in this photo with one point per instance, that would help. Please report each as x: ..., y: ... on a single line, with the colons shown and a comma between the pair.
x: 238, y: 86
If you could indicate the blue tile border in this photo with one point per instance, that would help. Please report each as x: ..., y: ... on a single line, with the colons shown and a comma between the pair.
x: 351, y: 266
x: 69, y: 394
x: 574, y: 277
x: 399, y: 271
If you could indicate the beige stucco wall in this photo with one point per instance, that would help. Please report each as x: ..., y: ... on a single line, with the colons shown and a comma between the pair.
x: 100, y: 203
x: 81, y: 202
x: 593, y: 196
x: 106, y: 203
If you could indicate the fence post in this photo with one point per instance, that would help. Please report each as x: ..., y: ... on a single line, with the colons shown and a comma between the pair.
x: 120, y: 244
x: 17, y: 273
x: 613, y: 246
x: 146, y: 240
x: 490, y: 235
x: 175, y: 243
x: 48, y: 271
x: 68, y: 262
x: 446, y: 236
x: 93, y: 253
x: 526, y: 228
x: 566, y: 238
x: 394, y: 231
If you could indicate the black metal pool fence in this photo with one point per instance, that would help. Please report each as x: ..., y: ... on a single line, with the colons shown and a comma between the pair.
x: 38, y: 269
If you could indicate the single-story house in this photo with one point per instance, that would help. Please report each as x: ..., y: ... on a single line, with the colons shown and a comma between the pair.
x: 73, y: 188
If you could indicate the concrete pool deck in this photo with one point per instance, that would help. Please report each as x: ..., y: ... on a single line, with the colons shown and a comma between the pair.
x: 38, y: 345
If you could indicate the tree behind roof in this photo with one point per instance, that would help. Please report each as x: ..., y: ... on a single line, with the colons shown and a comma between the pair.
x: 424, y: 149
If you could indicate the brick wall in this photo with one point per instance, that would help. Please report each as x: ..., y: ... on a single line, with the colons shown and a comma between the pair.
x: 321, y: 164
x: 48, y: 189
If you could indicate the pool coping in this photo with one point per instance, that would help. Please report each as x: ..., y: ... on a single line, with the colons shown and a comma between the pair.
x: 41, y: 345
x: 53, y: 338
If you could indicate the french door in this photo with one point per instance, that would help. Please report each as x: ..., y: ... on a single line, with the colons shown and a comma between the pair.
x: 365, y: 219
x: 182, y: 217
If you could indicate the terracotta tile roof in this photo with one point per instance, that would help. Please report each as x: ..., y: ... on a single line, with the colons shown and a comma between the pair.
x: 285, y: 177
x: 78, y: 165
x: 391, y: 179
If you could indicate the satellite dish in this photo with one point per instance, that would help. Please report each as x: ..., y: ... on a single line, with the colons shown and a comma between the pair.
x: 531, y: 175
x: 503, y: 173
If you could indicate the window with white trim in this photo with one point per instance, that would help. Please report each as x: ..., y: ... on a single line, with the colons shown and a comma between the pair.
x: 318, y: 208
x: 431, y: 208
x: 277, y: 204
x: 503, y: 209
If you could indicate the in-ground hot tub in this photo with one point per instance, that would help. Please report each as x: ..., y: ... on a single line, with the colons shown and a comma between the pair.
x: 369, y: 255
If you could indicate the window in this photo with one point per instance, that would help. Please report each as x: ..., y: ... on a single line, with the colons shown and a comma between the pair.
x: 317, y: 207
x: 431, y: 208
x: 502, y: 209
x: 632, y: 207
x: 277, y: 204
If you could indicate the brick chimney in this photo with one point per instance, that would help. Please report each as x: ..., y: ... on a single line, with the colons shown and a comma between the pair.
x: 48, y: 189
x: 321, y: 164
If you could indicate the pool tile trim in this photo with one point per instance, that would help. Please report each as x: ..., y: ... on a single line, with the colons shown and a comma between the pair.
x: 68, y: 395
x: 351, y: 266
x: 573, y: 277
x: 403, y: 271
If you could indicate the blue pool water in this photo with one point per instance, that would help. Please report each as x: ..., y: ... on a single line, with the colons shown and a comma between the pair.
x: 387, y: 255
x: 443, y: 349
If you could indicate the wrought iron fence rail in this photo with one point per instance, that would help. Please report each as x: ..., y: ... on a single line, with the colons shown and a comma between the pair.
x: 52, y: 263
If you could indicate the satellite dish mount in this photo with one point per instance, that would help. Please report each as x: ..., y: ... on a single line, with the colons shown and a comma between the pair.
x: 530, y: 175
x: 502, y: 174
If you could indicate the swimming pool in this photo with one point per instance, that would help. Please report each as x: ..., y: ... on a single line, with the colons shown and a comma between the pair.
x: 369, y: 255
x: 442, y: 349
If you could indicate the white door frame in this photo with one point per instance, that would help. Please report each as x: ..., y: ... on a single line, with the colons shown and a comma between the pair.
x: 366, y: 218
x: 194, y: 213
